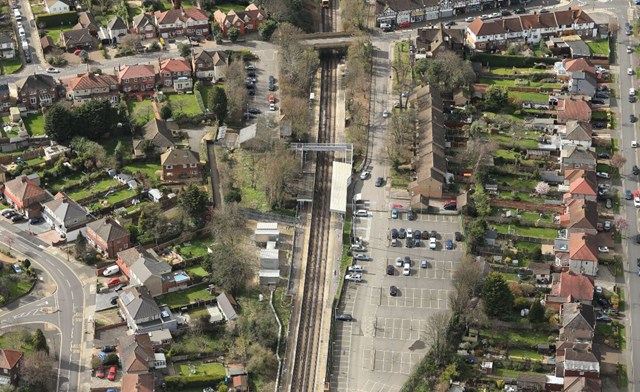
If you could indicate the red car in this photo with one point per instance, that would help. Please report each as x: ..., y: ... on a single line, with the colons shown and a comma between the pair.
x: 100, y: 373
x: 112, y: 373
x: 113, y: 282
x: 404, y: 25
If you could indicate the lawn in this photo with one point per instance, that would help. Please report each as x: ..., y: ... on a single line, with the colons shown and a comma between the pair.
x: 184, y: 103
x: 204, y: 91
x: 524, y: 96
x: 195, y: 248
x: 215, y: 370
x: 599, y: 47
x: 515, y: 139
x: 14, y: 340
x: 252, y: 197
x: 525, y: 354
x: 37, y: 9
x: 512, y: 83
x: 226, y: 7
x: 536, y: 232
x: 148, y: 169
x: 34, y: 124
x: 184, y: 297
x: 54, y: 32
x: 100, y: 187
x: 516, y: 337
x: 140, y: 111
x: 11, y: 66
x: 111, y: 143
x: 197, y: 271
x: 510, y: 71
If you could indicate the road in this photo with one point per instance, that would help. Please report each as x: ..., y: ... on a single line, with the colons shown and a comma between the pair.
x: 64, y: 309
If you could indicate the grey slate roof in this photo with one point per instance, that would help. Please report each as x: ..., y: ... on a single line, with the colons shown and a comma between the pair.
x: 139, y: 303
x: 67, y: 211
x: 36, y: 82
x: 108, y: 229
x: 5, y: 39
x: 157, y: 132
x: 225, y: 306
x: 147, y: 266
x: 179, y: 157
x: 116, y: 23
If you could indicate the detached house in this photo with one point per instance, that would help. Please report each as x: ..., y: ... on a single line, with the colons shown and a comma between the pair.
x: 142, y: 25
x: 176, y: 73
x: 54, y: 6
x: 86, y: 20
x: 108, y: 237
x: 246, y: 21
x: 158, y: 134
x: 210, y: 65
x: 7, y: 46
x: 583, y: 254
x: 434, y: 40
x: 88, y: 86
x: 25, y: 195
x: 10, y: 363
x: 65, y: 215
x: 141, y: 312
x: 36, y: 91
x: 580, y: 74
x: 78, y: 39
x: 180, y: 165
x: 179, y: 22
x: 135, y: 78
x: 116, y: 28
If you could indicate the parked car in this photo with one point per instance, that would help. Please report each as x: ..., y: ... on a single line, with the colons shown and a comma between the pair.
x: 432, y: 243
x: 358, y: 248
x: 543, y: 11
x: 433, y: 234
x: 409, y: 243
x: 113, y: 300
x: 361, y: 256
x: 604, y: 155
x: 603, y: 319
x: 602, y: 174
x: 379, y: 182
x: 411, y: 215
x: 448, y: 244
x: 355, y: 268
x: 599, y: 124
x: 417, y: 235
x: 458, y: 236
x: 395, y: 242
x: 353, y: 277
x: 53, y: 70
x: 635, y: 170
x: 100, y: 373
x: 450, y: 205
x: 385, y: 113
x: 361, y: 213
x: 406, y: 269
x: 7, y: 212
x: 603, y: 249
x: 469, y: 19
x: 523, y: 276
x: 607, y: 225
x: 344, y: 317
x: 629, y: 71
x: 409, y: 233
x: 390, y: 270
x: 393, y: 291
x: 632, y: 118
x: 608, y: 204
x: 394, y: 233
x: 449, y: 23
x: 402, y: 233
x: 628, y: 195
x: 505, y: 13
x: 599, y: 289
x: 365, y: 174
x: 597, y: 101
x: 17, y: 218
x: 35, y: 220
x: 119, y: 287
x: 394, y: 213
x: 16, y: 268
x: 399, y: 261
x: 520, y: 10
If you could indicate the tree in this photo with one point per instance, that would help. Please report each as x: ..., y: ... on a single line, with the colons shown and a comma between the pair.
x: 58, y: 124
x: 95, y: 118
x: 120, y: 153
x: 37, y: 371
x: 223, y: 388
x: 39, y: 342
x: 227, y: 225
x: 447, y: 71
x: 82, y: 247
x: 215, y: 28
x: 231, y: 267
x: 435, y: 333
x: 262, y: 361
x: 468, y: 278
x: 236, y: 90
x: 185, y: 51
x: 620, y: 223
x: 542, y: 188
x: 496, y: 97
x: 267, y: 29
x: 194, y: 203
x: 130, y: 42
x: 165, y: 112
x: 497, y: 298
x: 536, y: 312
x: 218, y: 104
x: 618, y: 161
x: 283, y: 168
x: 233, y: 34
x: 149, y: 217
x: 481, y: 201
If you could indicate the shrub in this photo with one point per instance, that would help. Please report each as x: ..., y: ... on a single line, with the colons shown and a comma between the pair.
x: 198, y: 94
x: 179, y: 383
x: 494, y: 60
x: 57, y: 19
x: 58, y: 61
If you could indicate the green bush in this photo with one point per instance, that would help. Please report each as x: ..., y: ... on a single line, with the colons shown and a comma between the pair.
x: 57, y: 19
x: 198, y: 94
x: 179, y: 383
x: 494, y: 60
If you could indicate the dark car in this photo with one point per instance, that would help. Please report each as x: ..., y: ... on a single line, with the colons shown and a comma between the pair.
x: 637, y: 238
x: 417, y: 243
x: 113, y: 300
x: 458, y: 236
x: 604, y: 155
x: 36, y: 220
x: 254, y: 110
x: 602, y: 95
x: 449, y: 23
x: 17, y: 218
x: 635, y: 170
x: 603, y: 301
x: 344, y: 317
x: 633, y: 99
x: 394, y: 233
x: 411, y: 215
x: 505, y: 13
x: 402, y: 234
x: 108, y: 349
x: 628, y: 195
x: 379, y: 182
x: 597, y: 101
x: 417, y: 235
x: 599, y: 124
x: 272, y: 87
x: 448, y: 244
x: 393, y: 291
x: 543, y: 11
x: 252, y: 91
x: 434, y: 234
x: 523, y: 276
x: 638, y: 261
x: 391, y: 270
x: 520, y: 10
x: 450, y: 206
x: 633, y: 118
x: 119, y: 287
x: 409, y: 243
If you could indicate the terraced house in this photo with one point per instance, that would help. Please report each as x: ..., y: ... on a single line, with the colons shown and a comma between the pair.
x: 180, y: 22
x: 246, y: 21
x: 88, y: 86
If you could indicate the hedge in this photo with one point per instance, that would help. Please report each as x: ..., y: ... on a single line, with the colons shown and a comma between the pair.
x: 179, y: 383
x: 57, y: 19
x: 496, y: 60
x: 198, y: 94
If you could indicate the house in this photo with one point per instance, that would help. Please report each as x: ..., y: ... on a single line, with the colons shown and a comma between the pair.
x: 180, y: 164
x: 582, y: 384
x: 7, y: 46
x: 36, y: 91
x: 64, y: 215
x: 540, y: 271
x: 434, y: 40
x: 108, y: 237
x: 25, y: 195
x: 227, y: 305
x: 578, y: 133
x: 577, y: 157
x: 583, y: 254
x: 210, y: 65
x: 78, y: 39
x: 564, y: 69
x: 578, y: 322
x: 85, y: 87
x: 580, y: 216
x: 531, y: 382
x: 86, y: 20
x: 180, y: 22
x: 117, y: 28
x: 429, y: 163
x: 577, y: 47
x: 134, y: 78
x: 10, y: 363
x: 157, y: 134
x: 142, y: 25
x: 54, y: 6
x: 176, y: 73
x: 577, y: 363
x: 137, y: 383
x: 246, y: 21
x: 161, y: 339
x: 47, y: 44
x: 137, y: 355
x: 141, y: 312
x: 486, y: 35
x: 584, y: 187
x: 573, y: 109
x: 395, y: 12
x: 569, y: 287
x: 583, y: 83
x: 153, y: 273
x: 5, y: 97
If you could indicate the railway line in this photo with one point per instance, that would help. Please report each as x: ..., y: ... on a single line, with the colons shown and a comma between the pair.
x: 306, y: 358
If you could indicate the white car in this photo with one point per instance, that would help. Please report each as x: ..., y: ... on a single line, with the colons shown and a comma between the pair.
x: 495, y: 15
x: 361, y: 256
x: 634, y: 144
x: 636, y: 201
x: 432, y: 243
x: 485, y: 17
x: 406, y: 270
x: 359, y: 248
x: 629, y: 71
x: 603, y: 249
x: 409, y: 233
x: 395, y: 242
x: 355, y: 268
x: 354, y: 277
x: 53, y: 70
x: 602, y: 174
x: 365, y: 174
x: 21, y: 32
x: 599, y: 289
x: 272, y: 107
x: 19, y: 24
x: 398, y: 261
x: 469, y: 19
x: 361, y: 213
x: 385, y: 114
x: 629, y: 49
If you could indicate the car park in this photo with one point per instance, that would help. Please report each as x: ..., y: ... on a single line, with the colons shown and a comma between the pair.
x: 379, y: 182
x: 355, y: 268
x: 393, y: 291
x: 353, y: 277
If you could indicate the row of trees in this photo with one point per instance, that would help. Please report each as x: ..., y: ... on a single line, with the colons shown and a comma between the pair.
x: 358, y: 86
x: 91, y: 120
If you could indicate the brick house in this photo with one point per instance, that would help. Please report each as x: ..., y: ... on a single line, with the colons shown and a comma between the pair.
x: 180, y: 164
x: 573, y: 109
x: 64, y: 214
x: 434, y: 40
x: 176, y: 73
x: 582, y: 187
x: 25, y: 195
x: 577, y: 363
x: 569, y: 287
x: 578, y: 322
x: 36, y: 91
x: 72, y: 40
x: 144, y: 267
x: 88, y: 86
x: 180, y: 22
x: 246, y: 21
x: 210, y: 65
x: 137, y: 383
x: 5, y: 96
x: 10, y: 363
x: 577, y: 133
x: 143, y: 26
x: 583, y: 254
x: 108, y: 237
x: 117, y: 28
x: 158, y: 134
x: 581, y: 216
x: 577, y: 157
x: 134, y: 78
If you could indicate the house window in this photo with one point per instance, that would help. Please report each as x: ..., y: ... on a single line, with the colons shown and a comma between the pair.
x: 169, y: 167
x: 33, y: 100
x: 194, y: 165
x: 194, y: 173
x: 149, y: 86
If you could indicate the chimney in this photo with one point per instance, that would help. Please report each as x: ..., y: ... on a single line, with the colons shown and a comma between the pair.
x: 64, y: 200
x: 23, y: 179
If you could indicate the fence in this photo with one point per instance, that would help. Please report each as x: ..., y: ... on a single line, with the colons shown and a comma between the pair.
x: 25, y: 155
x: 200, y: 303
x: 514, y: 220
x: 525, y: 205
x: 521, y: 238
x: 268, y: 216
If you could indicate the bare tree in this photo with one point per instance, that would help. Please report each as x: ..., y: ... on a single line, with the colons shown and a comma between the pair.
x: 435, y: 333
x: 354, y: 15
x: 236, y: 90
x: 37, y: 370
x: 618, y: 161
x: 542, y: 188
x: 9, y: 240
x: 468, y: 278
x: 130, y: 41
x: 620, y: 223
x: 226, y: 224
x: 283, y: 167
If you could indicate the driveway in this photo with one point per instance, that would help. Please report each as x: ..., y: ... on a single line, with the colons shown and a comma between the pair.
x: 195, y: 136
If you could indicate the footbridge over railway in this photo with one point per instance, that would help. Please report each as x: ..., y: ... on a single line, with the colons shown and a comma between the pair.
x: 332, y: 40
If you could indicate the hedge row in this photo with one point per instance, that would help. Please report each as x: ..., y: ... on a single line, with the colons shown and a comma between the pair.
x: 179, y: 383
x: 496, y: 60
x: 57, y: 19
x: 198, y: 94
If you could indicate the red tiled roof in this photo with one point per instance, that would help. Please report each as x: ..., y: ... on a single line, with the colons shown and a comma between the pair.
x: 582, y: 246
x: 480, y: 28
x: 574, y: 109
x: 585, y: 185
x: 136, y: 71
x: 89, y: 81
x: 175, y: 65
x: 579, y: 64
x: 23, y: 188
x: 173, y: 15
x: 580, y: 287
x: 137, y: 383
x: 9, y: 358
x: 582, y: 214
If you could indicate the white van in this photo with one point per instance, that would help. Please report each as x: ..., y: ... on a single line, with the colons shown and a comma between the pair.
x: 632, y: 92
x: 110, y: 270
x: 362, y: 213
